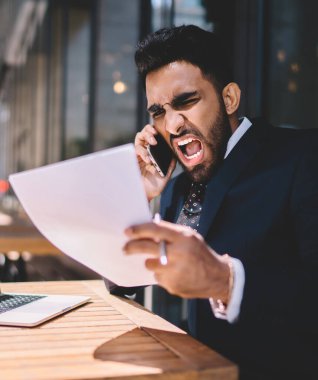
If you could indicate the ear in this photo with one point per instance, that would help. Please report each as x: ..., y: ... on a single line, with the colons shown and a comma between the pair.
x: 231, y: 96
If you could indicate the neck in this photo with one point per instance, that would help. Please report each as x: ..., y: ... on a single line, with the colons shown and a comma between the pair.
x: 234, y: 122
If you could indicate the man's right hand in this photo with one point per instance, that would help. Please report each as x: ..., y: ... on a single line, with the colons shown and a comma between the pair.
x: 153, y: 182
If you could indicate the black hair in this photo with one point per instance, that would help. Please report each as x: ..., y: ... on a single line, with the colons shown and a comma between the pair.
x: 184, y: 43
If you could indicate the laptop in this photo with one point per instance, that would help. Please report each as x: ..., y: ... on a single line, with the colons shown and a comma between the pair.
x: 28, y: 310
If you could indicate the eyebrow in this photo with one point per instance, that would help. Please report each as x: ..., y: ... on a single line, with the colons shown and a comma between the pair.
x: 178, y: 98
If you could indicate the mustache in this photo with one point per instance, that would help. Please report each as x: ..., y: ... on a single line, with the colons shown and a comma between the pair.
x: 184, y: 133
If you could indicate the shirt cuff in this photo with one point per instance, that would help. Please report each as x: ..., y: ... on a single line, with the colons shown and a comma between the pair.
x: 232, y: 311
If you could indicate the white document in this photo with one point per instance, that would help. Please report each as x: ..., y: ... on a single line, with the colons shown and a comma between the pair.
x: 83, y: 205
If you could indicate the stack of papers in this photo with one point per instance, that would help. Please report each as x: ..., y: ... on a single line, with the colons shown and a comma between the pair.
x: 83, y: 206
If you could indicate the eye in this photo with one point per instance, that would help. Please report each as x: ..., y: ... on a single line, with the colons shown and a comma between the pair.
x: 158, y: 113
x: 183, y: 104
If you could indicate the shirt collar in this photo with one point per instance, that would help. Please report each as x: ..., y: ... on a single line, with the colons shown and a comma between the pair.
x: 238, y: 133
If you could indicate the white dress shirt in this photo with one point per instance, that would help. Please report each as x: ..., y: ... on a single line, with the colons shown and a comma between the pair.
x: 232, y: 311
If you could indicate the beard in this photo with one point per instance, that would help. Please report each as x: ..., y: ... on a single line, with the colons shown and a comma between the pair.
x: 216, y: 141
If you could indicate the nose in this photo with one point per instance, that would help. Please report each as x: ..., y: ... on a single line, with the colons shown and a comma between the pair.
x: 174, y: 121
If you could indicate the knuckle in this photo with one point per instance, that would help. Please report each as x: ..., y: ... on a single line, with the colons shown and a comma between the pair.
x: 134, y: 230
x: 138, y: 149
x: 149, y: 128
x: 149, y: 264
x: 156, y: 228
x: 138, y: 138
x: 193, y: 241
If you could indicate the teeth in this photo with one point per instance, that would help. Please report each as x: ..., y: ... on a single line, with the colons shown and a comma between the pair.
x: 185, y: 142
x: 193, y: 155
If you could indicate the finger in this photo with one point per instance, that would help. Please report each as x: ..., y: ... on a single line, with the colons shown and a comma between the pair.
x: 142, y: 154
x: 149, y: 138
x: 152, y: 170
x: 153, y: 265
x: 156, y: 231
x: 142, y: 139
x: 146, y: 136
x: 141, y: 246
x: 150, y: 128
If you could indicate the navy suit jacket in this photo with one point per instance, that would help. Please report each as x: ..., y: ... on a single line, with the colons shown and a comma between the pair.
x: 261, y: 206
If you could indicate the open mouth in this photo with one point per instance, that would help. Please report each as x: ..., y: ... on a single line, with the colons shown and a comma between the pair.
x: 191, y: 150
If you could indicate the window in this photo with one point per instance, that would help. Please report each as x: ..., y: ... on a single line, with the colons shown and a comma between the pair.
x: 292, y: 69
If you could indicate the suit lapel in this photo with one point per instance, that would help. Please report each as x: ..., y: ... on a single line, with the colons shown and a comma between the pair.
x: 228, y: 172
x: 174, y: 198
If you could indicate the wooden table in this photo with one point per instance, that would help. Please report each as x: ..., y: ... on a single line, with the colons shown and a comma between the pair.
x: 21, y: 238
x: 109, y: 338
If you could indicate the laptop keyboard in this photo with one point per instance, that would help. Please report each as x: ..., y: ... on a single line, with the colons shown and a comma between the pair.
x: 9, y: 302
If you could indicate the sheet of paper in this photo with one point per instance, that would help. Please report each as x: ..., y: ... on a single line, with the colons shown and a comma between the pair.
x: 83, y: 205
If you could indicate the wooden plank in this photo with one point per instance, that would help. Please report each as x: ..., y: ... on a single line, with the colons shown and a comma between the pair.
x: 61, y: 324
x: 173, y: 370
x: 52, y: 341
x: 102, y: 370
x: 95, y: 317
x: 9, y: 331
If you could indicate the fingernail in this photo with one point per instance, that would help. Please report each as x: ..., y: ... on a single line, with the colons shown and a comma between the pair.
x: 128, y: 231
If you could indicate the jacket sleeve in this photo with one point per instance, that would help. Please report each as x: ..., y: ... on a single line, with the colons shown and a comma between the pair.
x: 122, y: 291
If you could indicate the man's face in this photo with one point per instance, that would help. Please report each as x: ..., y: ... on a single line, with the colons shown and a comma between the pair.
x: 188, y: 112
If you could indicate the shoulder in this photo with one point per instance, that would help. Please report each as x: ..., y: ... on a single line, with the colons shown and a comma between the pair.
x: 287, y: 139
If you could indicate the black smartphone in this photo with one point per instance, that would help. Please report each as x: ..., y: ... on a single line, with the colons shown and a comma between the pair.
x: 161, y: 155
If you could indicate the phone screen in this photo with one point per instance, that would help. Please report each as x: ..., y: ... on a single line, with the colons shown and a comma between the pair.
x: 161, y: 155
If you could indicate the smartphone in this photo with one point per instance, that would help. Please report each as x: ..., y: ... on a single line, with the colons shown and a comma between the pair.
x: 160, y: 155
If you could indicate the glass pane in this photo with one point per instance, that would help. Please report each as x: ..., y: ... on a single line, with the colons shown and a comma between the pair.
x: 55, y: 83
x: 191, y: 12
x: 116, y: 76
x: 293, y: 64
x: 23, y: 84
x: 77, y: 82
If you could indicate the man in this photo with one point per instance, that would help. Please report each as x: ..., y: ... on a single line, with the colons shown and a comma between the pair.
x: 249, y: 191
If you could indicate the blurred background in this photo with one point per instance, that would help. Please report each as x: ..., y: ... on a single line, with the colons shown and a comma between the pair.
x: 68, y: 87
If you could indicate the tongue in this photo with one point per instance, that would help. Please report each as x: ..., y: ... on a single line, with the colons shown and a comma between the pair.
x: 193, y: 147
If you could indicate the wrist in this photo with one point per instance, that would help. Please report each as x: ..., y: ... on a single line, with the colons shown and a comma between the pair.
x: 226, y: 281
x: 151, y: 195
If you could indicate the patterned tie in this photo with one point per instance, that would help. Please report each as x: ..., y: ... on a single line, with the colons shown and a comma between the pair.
x: 191, y: 211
